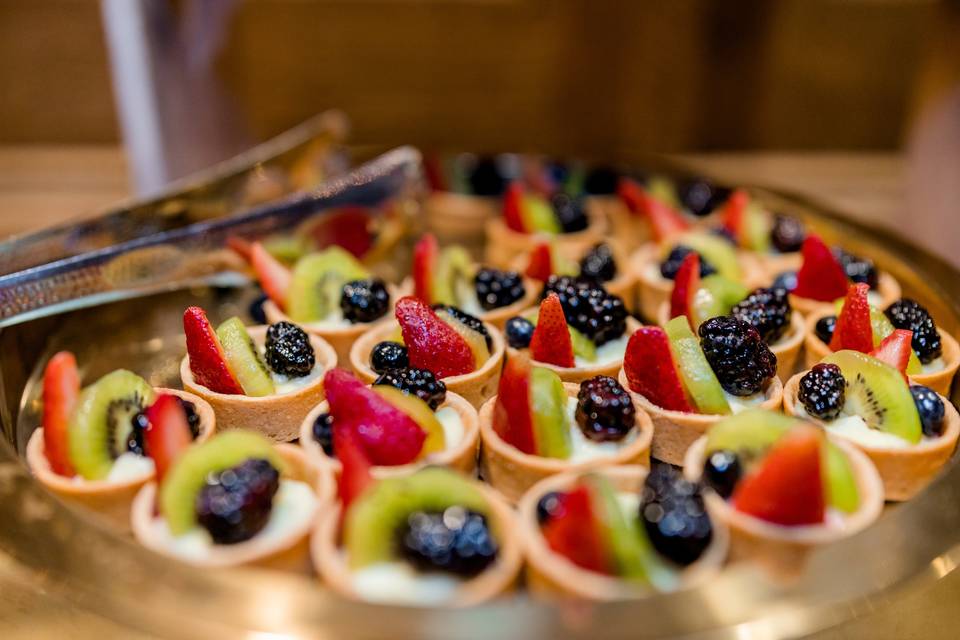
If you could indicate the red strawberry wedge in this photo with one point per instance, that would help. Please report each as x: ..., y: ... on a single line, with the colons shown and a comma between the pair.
x: 821, y: 276
x: 895, y: 350
x: 664, y: 219
x: 431, y: 343
x: 61, y: 386
x: 551, y: 341
x: 651, y: 372
x: 424, y: 267
x: 207, y: 361
x: 734, y: 212
x: 356, y: 476
x: 512, y: 416
x: 513, y: 207
x: 273, y: 276
x: 540, y: 266
x: 853, y: 329
x: 574, y: 532
x: 685, y: 285
x: 167, y: 434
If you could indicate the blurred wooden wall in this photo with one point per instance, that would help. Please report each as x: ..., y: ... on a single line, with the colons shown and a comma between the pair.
x: 592, y: 77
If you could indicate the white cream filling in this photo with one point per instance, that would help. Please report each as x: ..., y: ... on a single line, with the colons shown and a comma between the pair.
x: 607, y: 353
x: 582, y: 448
x: 293, y: 508
x: 287, y: 384
x: 452, y: 426
x: 128, y: 466
x: 933, y: 366
x: 652, y: 272
x: 855, y: 429
x: 467, y: 299
x: 334, y: 320
x: 742, y: 403
x: 398, y: 582
x: 874, y: 298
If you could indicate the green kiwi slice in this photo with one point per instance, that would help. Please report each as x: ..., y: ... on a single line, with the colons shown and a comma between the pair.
x: 716, y: 297
x: 841, y: 484
x: 695, y: 372
x: 751, y: 432
x: 717, y: 252
x: 548, y: 400
x: 538, y: 215
x: 243, y: 358
x: 316, y: 284
x: 454, y: 270
x: 756, y: 228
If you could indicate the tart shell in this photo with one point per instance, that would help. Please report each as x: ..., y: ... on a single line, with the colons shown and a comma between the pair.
x: 632, y: 230
x: 512, y: 472
x: 504, y: 244
x: 459, y: 217
x: 887, y: 286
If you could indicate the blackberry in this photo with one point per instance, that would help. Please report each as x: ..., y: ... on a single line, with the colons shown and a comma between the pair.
x: 455, y: 541
x: 787, y: 234
x: 766, y: 310
x: 858, y: 269
x: 472, y: 322
x: 722, y: 471
x: 485, y: 179
x: 570, y: 212
x: 497, y: 288
x: 588, y: 308
x: 256, y: 310
x: 931, y: 409
x: 786, y: 280
x: 700, y: 197
x: 737, y: 355
x: 672, y: 512
x: 822, y: 391
x: 234, y: 505
x: 547, y: 507
x: 726, y: 234
x: 388, y: 355
x: 364, y: 300
x: 910, y: 315
x: 670, y: 266
x: 601, y: 181
x: 323, y: 432
x: 193, y: 418
x: 605, y: 411
x: 419, y: 382
x: 289, y: 351
x: 599, y: 264
x: 519, y: 332
x: 824, y: 328
x: 138, y: 425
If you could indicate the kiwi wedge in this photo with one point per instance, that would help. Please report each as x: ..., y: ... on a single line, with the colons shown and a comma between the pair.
x: 548, y: 400
x: 756, y: 228
x: 101, y: 421
x: 626, y: 541
x: 418, y: 411
x: 243, y: 358
x: 454, y: 268
x: 372, y: 521
x: 841, y: 484
x: 717, y: 251
x: 695, y: 372
x: 878, y: 393
x: 663, y: 190
x: 751, y: 432
x: 716, y: 297
x: 538, y: 215
x: 316, y: 284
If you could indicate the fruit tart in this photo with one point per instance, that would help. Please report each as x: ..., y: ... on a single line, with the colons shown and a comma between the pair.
x: 406, y: 420
x: 767, y: 309
x: 528, y: 217
x: 265, y: 378
x: 461, y: 201
x: 909, y: 431
x: 688, y: 382
x: 619, y: 532
x: 933, y: 354
x: 783, y: 487
x: 455, y: 346
x: 449, y: 277
x: 97, y: 446
x: 431, y: 538
x: 538, y: 426
x: 235, y: 500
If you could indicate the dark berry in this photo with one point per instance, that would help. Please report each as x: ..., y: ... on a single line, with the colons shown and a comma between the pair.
x: 599, y: 264
x: 670, y: 266
x: 672, y: 512
x: 738, y: 356
x: 289, y: 351
x: 519, y: 332
x: 472, y: 322
x: 193, y: 418
x: 256, y: 310
x: 485, y: 178
x: 497, y: 288
x: 570, y: 212
x: 931, y: 410
x: 766, y: 310
x: 722, y: 471
x: 364, y: 300
x: 234, y: 505
x: 787, y: 234
x: 455, y: 540
x: 786, y: 280
x: 605, y: 411
x: 823, y: 391
x: 824, y: 328
x: 389, y: 355
x: 589, y: 308
x: 911, y: 315
x: 138, y: 424
x: 548, y: 506
x: 701, y: 197
x: 323, y: 432
x: 858, y: 269
x: 601, y: 181
x: 419, y: 382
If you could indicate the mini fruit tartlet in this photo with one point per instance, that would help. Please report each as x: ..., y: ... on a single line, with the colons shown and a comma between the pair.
x: 687, y: 384
x: 431, y: 538
x: 934, y: 355
x: 455, y: 346
x: 328, y: 293
x: 234, y: 500
x: 528, y: 217
x: 264, y: 379
x: 768, y: 310
x: 538, y: 426
x: 783, y: 487
x: 451, y: 278
x: 406, y: 420
x: 907, y: 430
x: 459, y: 205
x: 96, y: 446
x: 616, y: 533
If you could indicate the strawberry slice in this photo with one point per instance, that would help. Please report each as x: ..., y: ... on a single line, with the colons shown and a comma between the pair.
x: 895, y: 350
x: 540, y: 266
x: 853, y: 329
x: 207, y: 360
x: 664, y: 219
x: 513, y: 207
x: 512, y: 417
x: 167, y: 434
x: 551, y: 341
x: 431, y: 343
x: 574, y: 532
x: 425, y: 254
x: 61, y: 386
x: 787, y: 487
x: 651, y: 371
x: 350, y: 227
x: 274, y: 277
x: 356, y: 476
x: 685, y: 286
x: 388, y: 435
x: 734, y: 213
x: 241, y: 246
x: 821, y: 276
x: 433, y: 172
